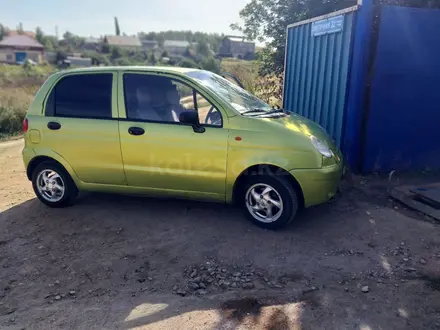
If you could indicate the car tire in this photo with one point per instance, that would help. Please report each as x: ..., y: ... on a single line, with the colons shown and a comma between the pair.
x: 263, y: 192
x: 53, y: 185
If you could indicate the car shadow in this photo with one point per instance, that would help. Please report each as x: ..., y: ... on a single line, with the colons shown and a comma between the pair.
x: 121, y: 256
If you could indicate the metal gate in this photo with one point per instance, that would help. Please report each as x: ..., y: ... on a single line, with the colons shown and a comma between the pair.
x: 403, y: 115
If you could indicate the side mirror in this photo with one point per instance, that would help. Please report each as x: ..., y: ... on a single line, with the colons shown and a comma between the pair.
x: 191, y: 117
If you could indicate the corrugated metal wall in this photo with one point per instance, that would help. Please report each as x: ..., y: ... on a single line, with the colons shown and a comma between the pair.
x: 316, y: 74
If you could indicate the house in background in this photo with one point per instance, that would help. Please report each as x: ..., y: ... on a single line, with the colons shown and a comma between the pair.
x: 74, y: 61
x: 149, y: 45
x: 238, y: 47
x: 175, y: 47
x: 126, y: 42
x: 92, y: 44
x: 19, y: 48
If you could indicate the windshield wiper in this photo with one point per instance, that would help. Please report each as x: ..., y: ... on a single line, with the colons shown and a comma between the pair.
x: 256, y: 110
x: 276, y: 111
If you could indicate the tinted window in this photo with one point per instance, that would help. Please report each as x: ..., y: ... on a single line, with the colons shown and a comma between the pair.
x: 85, y: 96
x: 161, y: 99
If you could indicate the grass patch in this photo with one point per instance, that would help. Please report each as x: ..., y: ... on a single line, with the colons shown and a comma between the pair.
x: 18, y: 86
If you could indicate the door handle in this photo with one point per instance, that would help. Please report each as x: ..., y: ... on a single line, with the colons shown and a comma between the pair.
x: 53, y: 126
x: 136, y: 131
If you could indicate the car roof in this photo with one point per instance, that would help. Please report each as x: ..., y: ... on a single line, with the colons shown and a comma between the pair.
x: 165, y: 69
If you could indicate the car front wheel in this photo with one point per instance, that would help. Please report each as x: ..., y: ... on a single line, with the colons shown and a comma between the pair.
x: 270, y: 201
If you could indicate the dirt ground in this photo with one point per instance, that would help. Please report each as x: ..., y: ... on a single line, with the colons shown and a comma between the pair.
x: 112, y: 262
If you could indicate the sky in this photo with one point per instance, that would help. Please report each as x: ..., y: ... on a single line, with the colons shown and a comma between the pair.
x: 96, y: 17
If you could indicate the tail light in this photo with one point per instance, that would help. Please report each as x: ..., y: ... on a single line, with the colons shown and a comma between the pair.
x: 25, y: 125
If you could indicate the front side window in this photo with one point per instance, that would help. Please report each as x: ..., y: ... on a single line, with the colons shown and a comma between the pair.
x: 84, y: 96
x: 162, y: 99
x: 240, y: 99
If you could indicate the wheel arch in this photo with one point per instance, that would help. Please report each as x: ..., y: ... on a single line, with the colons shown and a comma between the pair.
x: 37, y: 161
x: 34, y: 162
x: 266, y: 169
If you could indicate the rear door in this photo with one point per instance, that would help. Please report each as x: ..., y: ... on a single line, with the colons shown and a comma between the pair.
x: 81, y: 126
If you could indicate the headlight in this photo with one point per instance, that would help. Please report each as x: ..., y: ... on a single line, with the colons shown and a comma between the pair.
x: 321, y: 147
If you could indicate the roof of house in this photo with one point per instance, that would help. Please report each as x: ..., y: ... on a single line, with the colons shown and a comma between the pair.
x: 20, y: 41
x: 149, y: 42
x: 12, y: 33
x: 92, y: 40
x: 176, y: 43
x: 234, y: 38
x: 123, y: 41
x: 238, y: 39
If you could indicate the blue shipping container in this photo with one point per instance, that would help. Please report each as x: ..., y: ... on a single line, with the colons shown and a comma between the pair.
x: 370, y: 76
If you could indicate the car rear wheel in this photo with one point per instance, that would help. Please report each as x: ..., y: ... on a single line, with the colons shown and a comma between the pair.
x: 270, y: 201
x: 53, y: 185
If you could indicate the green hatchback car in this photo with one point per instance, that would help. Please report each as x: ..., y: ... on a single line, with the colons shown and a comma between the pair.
x: 175, y: 132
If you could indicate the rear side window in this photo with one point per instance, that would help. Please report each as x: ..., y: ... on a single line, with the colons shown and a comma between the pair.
x: 83, y: 96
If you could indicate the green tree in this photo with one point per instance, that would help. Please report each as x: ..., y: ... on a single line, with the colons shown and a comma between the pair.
x: 203, y: 48
x: 117, y: 29
x: 68, y: 35
x: 164, y: 53
x: 48, y: 46
x: 39, y: 35
x: 20, y: 28
x: 152, y: 58
x: 105, y: 47
x: 3, y: 31
x: 51, y: 42
x: 266, y: 20
x: 116, y: 53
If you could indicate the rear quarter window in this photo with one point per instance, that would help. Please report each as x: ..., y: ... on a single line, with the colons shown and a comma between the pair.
x: 82, y: 96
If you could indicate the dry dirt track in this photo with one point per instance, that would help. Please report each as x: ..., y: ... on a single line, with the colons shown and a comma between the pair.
x: 114, y: 262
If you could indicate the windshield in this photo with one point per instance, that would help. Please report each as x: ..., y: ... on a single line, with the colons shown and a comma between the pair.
x: 240, y: 99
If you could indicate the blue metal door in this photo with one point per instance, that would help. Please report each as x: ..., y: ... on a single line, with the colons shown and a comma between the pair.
x: 20, y: 57
x: 402, y: 131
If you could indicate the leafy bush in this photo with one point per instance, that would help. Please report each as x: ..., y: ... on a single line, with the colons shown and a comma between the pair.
x: 11, y: 120
x: 123, y: 61
x: 270, y: 89
x: 14, y: 103
x: 211, y: 64
x: 187, y: 63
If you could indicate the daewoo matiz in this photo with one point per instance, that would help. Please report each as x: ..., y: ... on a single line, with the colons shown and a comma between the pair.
x: 175, y: 132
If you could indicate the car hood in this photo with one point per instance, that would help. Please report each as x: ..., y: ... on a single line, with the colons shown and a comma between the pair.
x: 303, y: 126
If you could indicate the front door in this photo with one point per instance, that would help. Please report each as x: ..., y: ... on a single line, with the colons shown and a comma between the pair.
x: 79, y: 126
x: 161, y: 153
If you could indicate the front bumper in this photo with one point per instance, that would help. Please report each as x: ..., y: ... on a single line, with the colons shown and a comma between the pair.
x: 319, y: 185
